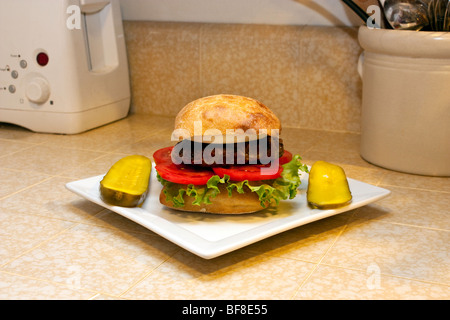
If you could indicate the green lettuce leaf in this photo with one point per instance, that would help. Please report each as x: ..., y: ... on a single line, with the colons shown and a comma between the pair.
x: 282, y: 188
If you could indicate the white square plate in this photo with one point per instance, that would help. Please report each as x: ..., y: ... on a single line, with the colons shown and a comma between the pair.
x: 209, y: 235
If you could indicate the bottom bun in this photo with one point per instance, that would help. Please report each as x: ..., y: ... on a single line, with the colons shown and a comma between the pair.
x: 238, y: 203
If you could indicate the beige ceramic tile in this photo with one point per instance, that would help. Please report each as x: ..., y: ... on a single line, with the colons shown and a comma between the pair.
x: 149, y: 145
x: 146, y: 124
x: 105, y: 297
x: 299, y: 141
x: 258, y: 61
x: 105, y: 138
x: 139, y: 124
x: 14, y: 180
x: 50, y: 198
x: 308, y: 242
x: 96, y: 167
x: 16, y: 287
x: 329, y: 87
x: 240, y: 275
x: 164, y: 65
x: 8, y: 147
x: 47, y: 159
x: 94, y: 258
x: 11, y: 248
x: 392, y: 178
x: 371, y: 175
x: 399, y: 250
x: 331, y: 283
x: 113, y: 220
x: 342, y: 149
x: 20, y: 232
x: 339, y: 148
x: 19, y: 134
x: 151, y: 130
x: 412, y: 207
x: 289, y: 68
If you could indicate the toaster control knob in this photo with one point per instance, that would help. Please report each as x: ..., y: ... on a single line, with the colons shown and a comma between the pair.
x: 37, y: 90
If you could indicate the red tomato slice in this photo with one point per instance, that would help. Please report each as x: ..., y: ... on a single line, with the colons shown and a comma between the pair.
x: 183, y: 174
x: 286, y: 157
x: 251, y: 172
x: 163, y: 155
x: 187, y: 174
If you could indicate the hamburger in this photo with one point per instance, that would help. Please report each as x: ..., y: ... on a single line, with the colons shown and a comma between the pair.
x: 228, y: 158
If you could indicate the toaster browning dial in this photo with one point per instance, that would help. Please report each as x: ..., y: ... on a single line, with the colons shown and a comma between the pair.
x: 37, y: 90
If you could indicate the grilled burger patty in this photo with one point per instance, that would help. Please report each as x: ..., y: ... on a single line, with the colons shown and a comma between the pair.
x: 219, y: 154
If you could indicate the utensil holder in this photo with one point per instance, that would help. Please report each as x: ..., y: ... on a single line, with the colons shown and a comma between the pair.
x: 405, y: 116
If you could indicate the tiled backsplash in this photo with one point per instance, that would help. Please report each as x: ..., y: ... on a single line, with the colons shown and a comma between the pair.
x: 306, y: 74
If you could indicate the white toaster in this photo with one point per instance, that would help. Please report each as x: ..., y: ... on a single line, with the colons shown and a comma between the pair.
x: 63, y: 64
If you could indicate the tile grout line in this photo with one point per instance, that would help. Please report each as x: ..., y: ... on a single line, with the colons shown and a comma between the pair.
x: 25, y: 142
x: 93, y: 224
x: 57, y: 174
x: 410, y: 225
x: 95, y: 292
x: 62, y: 173
x: 59, y: 284
x: 38, y: 245
x: 388, y: 275
x: 21, y: 150
x: 147, y: 274
x: 65, y: 220
x: 380, y: 179
x: 94, y: 296
x: 27, y: 187
x: 319, y: 262
x: 381, y: 184
x: 324, y: 130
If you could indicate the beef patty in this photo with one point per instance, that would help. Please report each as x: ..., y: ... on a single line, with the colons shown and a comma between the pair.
x: 260, y: 151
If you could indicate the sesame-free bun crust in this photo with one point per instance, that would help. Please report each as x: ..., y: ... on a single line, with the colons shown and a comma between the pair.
x: 227, y: 112
x: 238, y: 203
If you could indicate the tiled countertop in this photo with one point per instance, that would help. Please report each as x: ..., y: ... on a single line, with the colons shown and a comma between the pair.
x: 56, y: 245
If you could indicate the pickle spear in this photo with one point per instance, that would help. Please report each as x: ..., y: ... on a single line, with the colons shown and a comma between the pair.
x: 126, y: 183
x: 327, y: 186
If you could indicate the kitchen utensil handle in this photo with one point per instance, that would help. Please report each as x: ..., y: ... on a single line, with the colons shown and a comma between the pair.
x: 357, y: 9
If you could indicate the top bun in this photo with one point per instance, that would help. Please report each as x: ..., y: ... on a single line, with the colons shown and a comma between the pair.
x: 227, y: 112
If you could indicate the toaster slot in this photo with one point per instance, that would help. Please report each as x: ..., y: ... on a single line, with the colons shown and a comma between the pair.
x: 101, y: 40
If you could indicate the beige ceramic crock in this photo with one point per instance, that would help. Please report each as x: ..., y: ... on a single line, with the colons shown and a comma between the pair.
x: 405, y: 116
